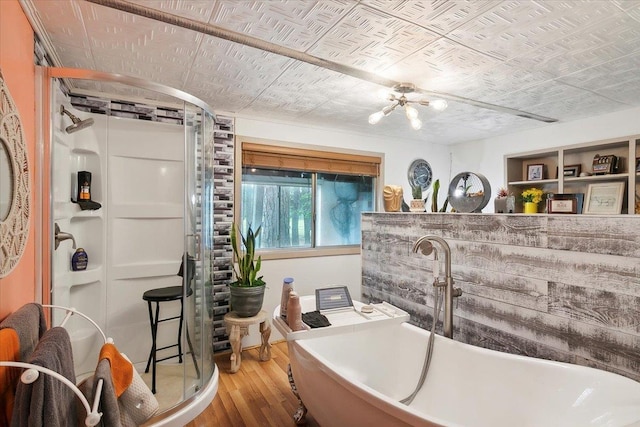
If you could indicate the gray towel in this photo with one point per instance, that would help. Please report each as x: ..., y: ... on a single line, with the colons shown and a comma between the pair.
x: 108, y: 400
x: 48, y: 401
x: 29, y: 323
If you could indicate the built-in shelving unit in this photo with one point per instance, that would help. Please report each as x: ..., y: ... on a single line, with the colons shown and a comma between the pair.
x: 580, y: 157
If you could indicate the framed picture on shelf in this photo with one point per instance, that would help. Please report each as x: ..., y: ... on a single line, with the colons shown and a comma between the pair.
x: 604, y: 198
x: 565, y: 203
x: 637, y: 164
x: 535, y: 172
x: 572, y: 170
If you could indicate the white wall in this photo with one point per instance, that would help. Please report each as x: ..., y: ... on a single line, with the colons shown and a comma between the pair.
x: 486, y: 156
x: 317, y: 272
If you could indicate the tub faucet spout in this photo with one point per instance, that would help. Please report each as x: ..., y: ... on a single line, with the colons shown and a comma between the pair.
x: 425, y: 245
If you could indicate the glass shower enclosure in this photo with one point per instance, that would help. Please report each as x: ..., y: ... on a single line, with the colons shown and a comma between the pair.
x: 147, y: 150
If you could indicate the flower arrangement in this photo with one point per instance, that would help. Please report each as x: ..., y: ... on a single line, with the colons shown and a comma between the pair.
x: 502, y: 192
x: 533, y: 195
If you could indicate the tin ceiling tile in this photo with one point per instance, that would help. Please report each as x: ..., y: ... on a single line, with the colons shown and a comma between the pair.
x: 76, y: 57
x: 296, y: 24
x: 437, y: 15
x: 63, y: 21
x: 494, y: 84
x: 616, y: 72
x: 243, y: 66
x: 137, y: 39
x: 582, y: 106
x: 371, y: 40
x: 440, y: 66
x: 610, y: 39
x: 627, y: 92
x: 545, y: 92
x: 515, y: 27
x: 300, y: 76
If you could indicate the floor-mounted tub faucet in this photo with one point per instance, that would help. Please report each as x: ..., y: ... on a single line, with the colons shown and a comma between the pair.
x: 425, y: 246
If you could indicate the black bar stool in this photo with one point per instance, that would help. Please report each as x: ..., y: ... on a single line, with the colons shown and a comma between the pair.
x: 170, y: 293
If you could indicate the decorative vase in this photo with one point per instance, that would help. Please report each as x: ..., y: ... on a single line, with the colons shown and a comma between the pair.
x: 416, y: 205
x: 500, y: 205
x: 246, y: 301
x: 530, y: 208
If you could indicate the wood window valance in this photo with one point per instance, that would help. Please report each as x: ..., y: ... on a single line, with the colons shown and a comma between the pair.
x: 279, y: 157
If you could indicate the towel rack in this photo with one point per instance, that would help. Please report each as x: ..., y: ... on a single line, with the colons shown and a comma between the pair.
x: 71, y: 311
x: 33, y: 372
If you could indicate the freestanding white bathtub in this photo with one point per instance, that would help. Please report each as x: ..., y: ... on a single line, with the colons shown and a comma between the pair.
x: 357, y: 377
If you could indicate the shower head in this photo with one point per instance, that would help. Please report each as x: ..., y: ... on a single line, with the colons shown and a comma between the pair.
x: 77, y: 123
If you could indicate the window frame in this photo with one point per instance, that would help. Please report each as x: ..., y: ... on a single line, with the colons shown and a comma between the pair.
x: 286, y: 253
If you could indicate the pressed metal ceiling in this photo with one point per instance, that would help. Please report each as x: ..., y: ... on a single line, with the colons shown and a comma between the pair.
x: 558, y: 59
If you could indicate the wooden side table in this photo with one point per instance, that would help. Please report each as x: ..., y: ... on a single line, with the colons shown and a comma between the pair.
x: 238, y: 327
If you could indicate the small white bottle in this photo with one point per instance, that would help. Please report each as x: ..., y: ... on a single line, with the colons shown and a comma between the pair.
x: 287, y: 286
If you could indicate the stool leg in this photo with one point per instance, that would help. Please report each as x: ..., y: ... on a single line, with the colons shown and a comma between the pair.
x: 153, y: 356
x: 180, y: 330
x: 153, y: 339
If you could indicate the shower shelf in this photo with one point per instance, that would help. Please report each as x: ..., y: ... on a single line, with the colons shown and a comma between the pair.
x: 84, y: 148
x: 86, y: 277
x: 79, y: 213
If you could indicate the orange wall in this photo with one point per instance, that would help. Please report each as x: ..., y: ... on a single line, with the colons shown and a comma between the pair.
x: 18, y: 70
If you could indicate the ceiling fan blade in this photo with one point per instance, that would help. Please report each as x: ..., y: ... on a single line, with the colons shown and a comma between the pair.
x: 223, y: 33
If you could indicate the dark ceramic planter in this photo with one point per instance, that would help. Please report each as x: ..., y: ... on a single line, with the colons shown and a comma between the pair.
x: 246, y: 301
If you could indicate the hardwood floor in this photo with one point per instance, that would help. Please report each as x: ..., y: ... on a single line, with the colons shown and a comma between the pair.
x: 258, y: 395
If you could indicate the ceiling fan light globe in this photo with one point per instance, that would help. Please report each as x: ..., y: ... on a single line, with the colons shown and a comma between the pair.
x: 439, y: 104
x: 416, y: 124
x: 411, y: 112
x: 375, y: 117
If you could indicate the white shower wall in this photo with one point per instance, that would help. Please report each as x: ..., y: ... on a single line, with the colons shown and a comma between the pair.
x: 134, y: 242
x: 145, y: 230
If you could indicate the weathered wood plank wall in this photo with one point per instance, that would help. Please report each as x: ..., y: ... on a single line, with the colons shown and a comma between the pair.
x: 559, y: 287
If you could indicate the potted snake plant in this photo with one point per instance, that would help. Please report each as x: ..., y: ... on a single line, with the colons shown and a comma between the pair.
x: 247, y: 291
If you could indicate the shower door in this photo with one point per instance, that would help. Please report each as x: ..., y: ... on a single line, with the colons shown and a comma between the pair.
x: 198, y: 225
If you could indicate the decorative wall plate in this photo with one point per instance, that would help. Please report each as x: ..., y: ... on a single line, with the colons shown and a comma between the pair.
x: 14, y: 228
x: 420, y: 174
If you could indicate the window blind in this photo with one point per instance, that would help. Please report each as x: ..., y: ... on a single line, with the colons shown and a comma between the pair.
x: 278, y: 157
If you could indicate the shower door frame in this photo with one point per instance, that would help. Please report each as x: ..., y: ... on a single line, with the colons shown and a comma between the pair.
x: 44, y: 176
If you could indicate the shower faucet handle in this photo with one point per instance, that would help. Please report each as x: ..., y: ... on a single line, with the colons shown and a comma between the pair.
x: 61, y: 235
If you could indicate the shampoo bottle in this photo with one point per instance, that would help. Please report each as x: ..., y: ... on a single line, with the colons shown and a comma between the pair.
x: 287, y: 286
x: 79, y: 260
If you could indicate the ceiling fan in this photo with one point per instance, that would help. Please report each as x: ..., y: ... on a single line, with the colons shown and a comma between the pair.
x: 403, y: 102
x: 223, y: 33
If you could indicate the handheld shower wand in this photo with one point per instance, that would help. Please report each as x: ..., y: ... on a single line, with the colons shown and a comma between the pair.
x: 77, y: 123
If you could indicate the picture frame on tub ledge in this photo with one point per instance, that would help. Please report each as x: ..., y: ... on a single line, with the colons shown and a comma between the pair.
x: 568, y: 203
x: 604, y: 198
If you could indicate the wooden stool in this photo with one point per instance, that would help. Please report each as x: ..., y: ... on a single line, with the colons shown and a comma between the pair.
x: 238, y: 327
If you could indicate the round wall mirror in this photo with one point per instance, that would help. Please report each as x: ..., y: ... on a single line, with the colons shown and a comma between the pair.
x: 14, y: 184
x: 6, y: 180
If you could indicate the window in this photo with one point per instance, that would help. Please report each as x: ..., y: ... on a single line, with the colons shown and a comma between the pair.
x: 305, y: 199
